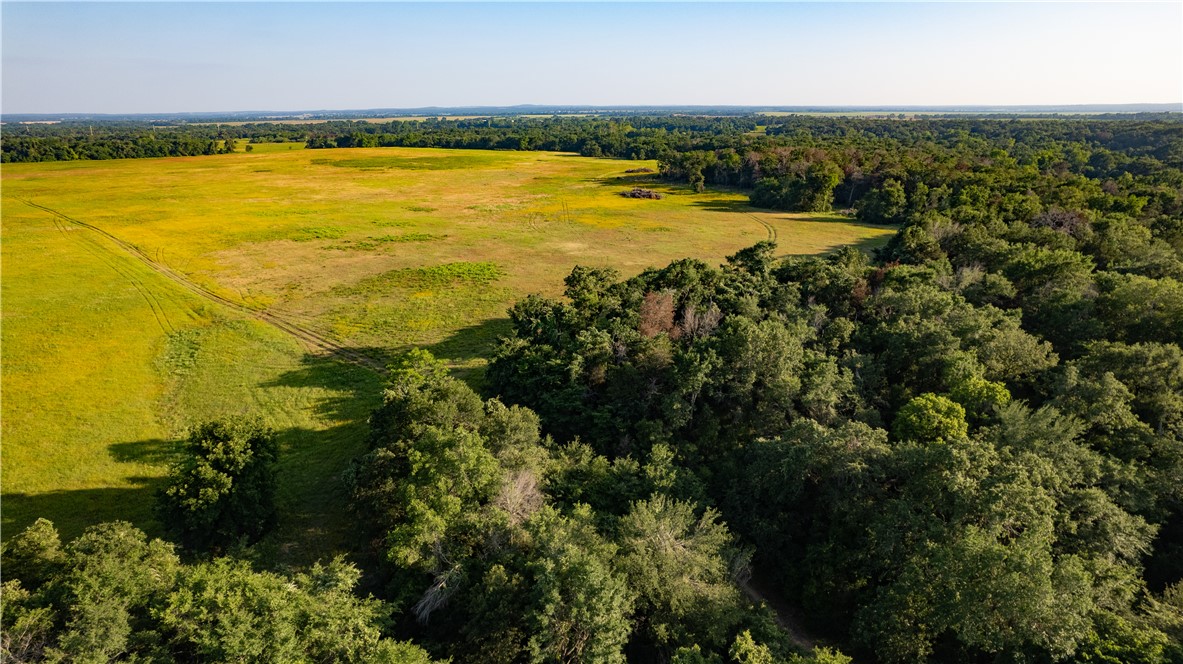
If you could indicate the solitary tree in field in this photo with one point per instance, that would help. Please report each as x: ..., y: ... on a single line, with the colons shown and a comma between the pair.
x: 224, y: 488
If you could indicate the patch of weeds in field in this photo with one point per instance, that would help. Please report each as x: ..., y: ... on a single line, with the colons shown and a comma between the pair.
x: 415, y: 237
x: 370, y: 243
x: 320, y: 233
x: 421, y: 208
x: 180, y: 353
x: 497, y: 207
x: 658, y: 229
x: 426, y: 278
x: 392, y: 223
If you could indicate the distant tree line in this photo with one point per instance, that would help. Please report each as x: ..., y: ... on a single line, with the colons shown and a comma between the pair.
x: 74, y: 141
x: 640, y: 137
x: 817, y: 164
x: 876, y: 166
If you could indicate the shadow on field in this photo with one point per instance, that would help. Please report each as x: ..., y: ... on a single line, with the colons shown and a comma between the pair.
x: 312, y: 499
x: 737, y: 207
x: 469, y: 344
x: 73, y: 511
x: 355, y: 390
x: 867, y: 245
x: 742, y: 207
x: 472, y: 342
x: 634, y: 180
x: 622, y: 183
x: 157, y: 452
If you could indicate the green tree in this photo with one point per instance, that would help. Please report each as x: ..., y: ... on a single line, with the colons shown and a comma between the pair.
x: 34, y: 555
x: 930, y: 418
x: 450, y: 474
x: 223, y: 490
x: 885, y: 205
x: 817, y: 194
x: 679, y: 566
x: 26, y: 625
x: 580, y: 605
x: 112, y: 577
x: 224, y: 611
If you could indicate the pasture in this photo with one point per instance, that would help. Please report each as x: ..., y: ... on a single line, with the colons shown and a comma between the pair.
x: 142, y: 296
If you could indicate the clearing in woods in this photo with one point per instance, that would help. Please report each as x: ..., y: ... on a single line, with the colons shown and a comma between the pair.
x: 142, y: 296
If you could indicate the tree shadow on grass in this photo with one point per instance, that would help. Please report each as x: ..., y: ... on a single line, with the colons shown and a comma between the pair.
x: 156, y: 452
x: 465, y: 347
x: 634, y: 180
x: 623, y: 183
x: 743, y: 207
x: 72, y: 511
x: 315, y: 522
x: 353, y: 390
x: 312, y: 497
x: 867, y: 245
x: 736, y: 207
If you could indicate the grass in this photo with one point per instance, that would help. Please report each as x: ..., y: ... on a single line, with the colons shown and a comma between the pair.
x: 268, y: 148
x: 374, y: 242
x: 422, y: 278
x: 106, y: 361
x: 321, y: 233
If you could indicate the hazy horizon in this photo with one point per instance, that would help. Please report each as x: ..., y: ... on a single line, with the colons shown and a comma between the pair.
x: 576, y: 109
x: 141, y: 58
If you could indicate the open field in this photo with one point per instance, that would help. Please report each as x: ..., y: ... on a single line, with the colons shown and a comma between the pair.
x: 268, y: 148
x: 142, y: 296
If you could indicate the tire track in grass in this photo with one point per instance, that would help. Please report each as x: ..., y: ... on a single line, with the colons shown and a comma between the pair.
x: 307, y: 337
x: 767, y: 227
x: 101, y: 252
x: 154, y: 305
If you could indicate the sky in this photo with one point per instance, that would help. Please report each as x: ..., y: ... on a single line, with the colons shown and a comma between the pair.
x: 205, y: 57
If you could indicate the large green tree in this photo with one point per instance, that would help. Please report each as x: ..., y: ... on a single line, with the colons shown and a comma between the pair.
x: 223, y: 489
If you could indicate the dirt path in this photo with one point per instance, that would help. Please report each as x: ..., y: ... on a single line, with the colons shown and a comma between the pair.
x: 786, y: 617
x: 310, y: 339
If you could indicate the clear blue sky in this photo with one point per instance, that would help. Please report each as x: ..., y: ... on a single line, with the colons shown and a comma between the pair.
x: 173, y: 57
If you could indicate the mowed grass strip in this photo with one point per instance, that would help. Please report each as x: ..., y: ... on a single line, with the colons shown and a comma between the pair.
x: 378, y: 249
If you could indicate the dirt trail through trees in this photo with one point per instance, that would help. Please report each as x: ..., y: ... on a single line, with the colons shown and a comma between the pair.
x: 786, y: 617
x: 310, y: 339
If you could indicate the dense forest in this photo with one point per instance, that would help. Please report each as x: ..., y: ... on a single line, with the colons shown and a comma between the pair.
x: 965, y: 448
x: 71, y: 141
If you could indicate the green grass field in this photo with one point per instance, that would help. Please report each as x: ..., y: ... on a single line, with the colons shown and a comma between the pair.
x: 142, y: 296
